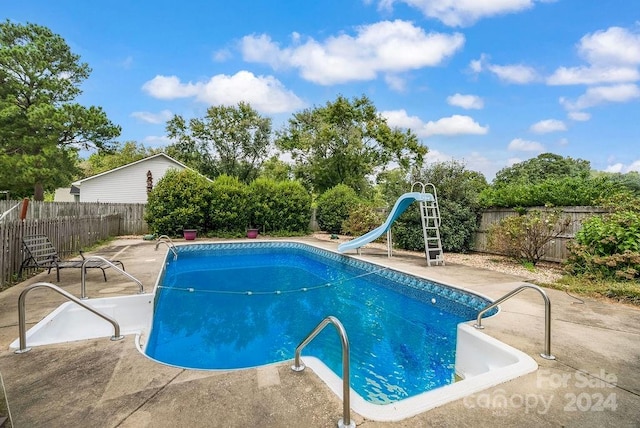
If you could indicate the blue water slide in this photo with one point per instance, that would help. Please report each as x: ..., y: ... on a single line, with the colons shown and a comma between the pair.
x: 399, y: 207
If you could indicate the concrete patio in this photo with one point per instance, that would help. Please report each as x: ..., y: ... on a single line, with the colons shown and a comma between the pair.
x: 594, y: 382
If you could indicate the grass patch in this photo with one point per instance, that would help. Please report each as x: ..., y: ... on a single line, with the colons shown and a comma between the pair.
x: 620, y: 291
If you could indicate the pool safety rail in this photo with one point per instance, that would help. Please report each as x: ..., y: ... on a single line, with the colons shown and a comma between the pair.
x: 298, y: 366
x: 164, y: 239
x: 22, y: 313
x: 547, y: 316
x: 83, y: 274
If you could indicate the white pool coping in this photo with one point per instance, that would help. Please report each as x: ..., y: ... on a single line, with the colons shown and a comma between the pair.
x: 481, y: 360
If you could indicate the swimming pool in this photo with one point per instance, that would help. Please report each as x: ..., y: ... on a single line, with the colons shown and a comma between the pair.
x: 480, y: 360
x: 232, y: 306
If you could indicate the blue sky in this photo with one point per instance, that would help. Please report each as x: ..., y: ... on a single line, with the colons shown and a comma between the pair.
x: 489, y: 83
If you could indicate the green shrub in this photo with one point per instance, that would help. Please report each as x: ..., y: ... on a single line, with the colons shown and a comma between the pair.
x: 607, y: 246
x: 334, y: 207
x: 407, y: 231
x: 362, y: 219
x: 525, y: 237
x: 229, y: 210
x: 180, y: 200
x: 294, y: 207
x: 559, y: 192
x: 263, y: 204
x: 279, y: 207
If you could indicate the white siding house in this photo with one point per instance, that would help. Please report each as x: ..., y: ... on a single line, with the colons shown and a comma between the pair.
x: 128, y: 183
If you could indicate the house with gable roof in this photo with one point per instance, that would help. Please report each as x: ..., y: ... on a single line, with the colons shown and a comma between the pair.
x: 129, y: 183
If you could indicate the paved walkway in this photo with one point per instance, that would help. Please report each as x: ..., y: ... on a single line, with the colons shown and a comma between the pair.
x: 595, y: 381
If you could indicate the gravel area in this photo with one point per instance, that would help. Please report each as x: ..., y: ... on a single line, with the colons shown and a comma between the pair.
x: 543, y: 273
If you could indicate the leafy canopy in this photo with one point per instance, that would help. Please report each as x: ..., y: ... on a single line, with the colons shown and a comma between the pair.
x: 119, y: 155
x: 41, y: 129
x: 228, y: 140
x: 545, y: 166
x: 344, y: 142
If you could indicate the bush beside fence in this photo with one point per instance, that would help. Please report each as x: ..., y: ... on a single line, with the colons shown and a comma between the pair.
x: 557, y: 249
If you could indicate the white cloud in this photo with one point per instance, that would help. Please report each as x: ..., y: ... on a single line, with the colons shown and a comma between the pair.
x: 156, y: 140
x: 614, y: 45
x: 612, y: 56
x: 602, y: 94
x: 514, y: 73
x: 395, y: 82
x: 265, y: 93
x: 520, y: 145
x: 169, y: 87
x: 622, y: 168
x: 457, y: 13
x: 155, y: 118
x: 520, y: 74
x: 453, y: 125
x: 388, y: 47
x: 579, y: 116
x: 592, y: 75
x: 400, y: 119
x: 615, y: 168
x: 548, y: 125
x: 221, y: 55
x: 466, y: 101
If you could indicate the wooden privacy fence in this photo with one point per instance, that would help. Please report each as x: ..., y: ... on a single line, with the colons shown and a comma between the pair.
x: 557, y: 249
x: 131, y: 215
x: 71, y: 226
x: 68, y: 234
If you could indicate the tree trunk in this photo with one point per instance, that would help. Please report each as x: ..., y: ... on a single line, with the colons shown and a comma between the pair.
x: 38, y: 192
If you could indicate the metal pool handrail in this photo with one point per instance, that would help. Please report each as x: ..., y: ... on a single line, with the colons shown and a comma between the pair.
x: 298, y: 366
x: 83, y: 284
x: 169, y: 243
x: 547, y: 316
x: 22, y: 313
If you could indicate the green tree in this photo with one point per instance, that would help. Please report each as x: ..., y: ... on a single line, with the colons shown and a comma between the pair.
x: 119, y: 155
x: 41, y: 128
x: 545, y: 166
x: 344, y: 142
x: 228, y: 140
x: 276, y: 169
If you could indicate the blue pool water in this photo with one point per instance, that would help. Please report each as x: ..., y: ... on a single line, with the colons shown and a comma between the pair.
x: 229, y: 306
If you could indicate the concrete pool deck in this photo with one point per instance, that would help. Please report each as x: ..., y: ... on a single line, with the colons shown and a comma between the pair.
x: 595, y: 381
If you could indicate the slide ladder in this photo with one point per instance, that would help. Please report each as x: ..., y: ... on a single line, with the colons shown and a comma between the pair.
x: 430, y: 215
